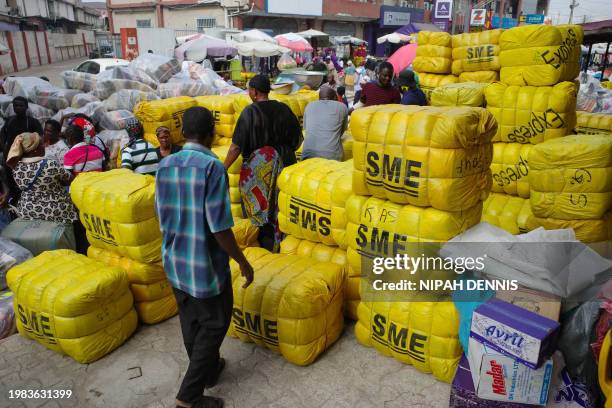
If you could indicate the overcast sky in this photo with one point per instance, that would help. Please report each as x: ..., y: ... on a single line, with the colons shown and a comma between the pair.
x: 594, y: 10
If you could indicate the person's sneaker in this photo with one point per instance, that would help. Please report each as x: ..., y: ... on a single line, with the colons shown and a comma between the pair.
x: 212, y: 381
x: 209, y: 402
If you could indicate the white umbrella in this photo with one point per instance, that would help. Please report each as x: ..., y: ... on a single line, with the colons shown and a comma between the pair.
x: 259, y: 49
x: 253, y: 35
x: 394, y: 38
x: 347, y: 39
x: 312, y: 33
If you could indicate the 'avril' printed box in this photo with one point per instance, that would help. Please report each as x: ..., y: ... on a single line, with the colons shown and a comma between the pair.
x: 515, y: 332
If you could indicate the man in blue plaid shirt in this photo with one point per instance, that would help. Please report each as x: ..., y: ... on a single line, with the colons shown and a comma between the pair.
x: 193, y: 206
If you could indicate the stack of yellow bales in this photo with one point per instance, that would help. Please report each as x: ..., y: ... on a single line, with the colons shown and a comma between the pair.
x: 420, y: 175
x: 117, y: 209
x: 571, y: 185
x: 234, y: 179
x: 164, y: 112
x: 311, y: 205
x: 222, y: 108
x: 533, y: 103
x: 72, y: 304
x: 293, y: 306
x: 593, y: 123
x: 476, y: 56
x: 433, y: 61
x: 540, y: 55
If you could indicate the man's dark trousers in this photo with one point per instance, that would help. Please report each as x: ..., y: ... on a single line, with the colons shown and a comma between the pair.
x: 204, y: 323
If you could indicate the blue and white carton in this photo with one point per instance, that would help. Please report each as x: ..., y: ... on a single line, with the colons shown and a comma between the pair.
x: 515, y: 332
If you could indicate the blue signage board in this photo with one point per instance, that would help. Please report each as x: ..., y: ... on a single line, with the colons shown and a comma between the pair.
x: 534, y: 19
x: 507, y: 22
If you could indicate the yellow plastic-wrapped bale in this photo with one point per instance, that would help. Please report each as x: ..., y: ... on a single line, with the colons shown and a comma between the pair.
x: 593, y: 123
x: 381, y: 228
x: 347, y: 148
x: 297, y: 102
x: 590, y: 231
x: 222, y: 108
x: 571, y: 177
x: 423, y: 334
x: 312, y: 198
x: 429, y: 82
x: 476, y: 51
x: 72, y: 304
x: 424, y: 156
x: 510, y: 213
x: 461, y: 94
x: 174, y: 125
x: 153, y: 295
x: 485, y: 77
x: 117, y: 208
x: 325, y: 253
x: 434, y: 53
x: 293, y: 306
x: 540, y: 55
x: 164, y: 112
x: 246, y: 234
x: 510, y: 169
x: 529, y: 114
x: 233, y: 173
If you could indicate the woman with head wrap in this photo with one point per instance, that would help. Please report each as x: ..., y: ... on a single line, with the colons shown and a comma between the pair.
x: 41, y: 181
x: 165, y: 147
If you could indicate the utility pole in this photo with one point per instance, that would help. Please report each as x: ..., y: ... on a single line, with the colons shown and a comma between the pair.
x: 572, y: 7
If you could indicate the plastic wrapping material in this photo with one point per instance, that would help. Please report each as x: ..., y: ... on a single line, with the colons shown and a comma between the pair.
x: 123, y: 72
x: 54, y: 99
x: 81, y: 99
x: 571, y: 177
x: 529, y: 114
x: 7, y: 315
x: 372, y: 219
x: 540, y: 55
x: 485, y: 77
x: 153, y: 296
x: 36, y: 111
x: 429, y: 82
x: 116, y: 120
x: 461, y: 94
x: 434, y: 53
x: 115, y: 140
x: 127, y: 99
x: 105, y: 88
x: 163, y: 109
x: 79, y: 80
x: 222, y: 108
x: 510, y: 169
x: 592, y: 96
x: 246, y: 234
x: 286, y: 61
x: 509, y: 213
x: 297, y: 102
x: 38, y: 236
x: 586, y: 230
x: 325, y: 253
x: 593, y: 123
x: 5, y: 101
x: 183, y: 88
x: 293, y: 306
x: 94, y: 110
x: 237, y: 210
x: 11, y: 254
x: 476, y: 51
x: 311, y: 201
x: 424, y: 156
x: 117, y: 208
x: 423, y: 334
x: 233, y: 173
x: 158, y: 67
x: 72, y: 304
x: 26, y: 86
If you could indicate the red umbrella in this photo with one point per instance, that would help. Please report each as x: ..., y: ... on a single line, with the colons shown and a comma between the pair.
x: 403, y: 57
x: 294, y: 42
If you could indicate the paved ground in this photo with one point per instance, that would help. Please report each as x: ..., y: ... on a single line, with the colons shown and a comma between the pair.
x: 51, y: 71
x: 347, y: 376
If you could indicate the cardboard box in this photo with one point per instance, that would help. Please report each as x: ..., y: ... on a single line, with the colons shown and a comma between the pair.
x: 514, y: 331
x: 463, y: 394
x: 502, y: 378
x: 542, y: 303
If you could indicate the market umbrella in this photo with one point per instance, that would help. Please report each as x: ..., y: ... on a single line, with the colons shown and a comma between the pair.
x: 260, y: 49
x: 253, y: 35
x: 312, y: 34
x: 403, y: 57
x: 394, y: 38
x: 294, y: 42
x: 347, y: 39
x: 196, y: 49
x: 413, y: 28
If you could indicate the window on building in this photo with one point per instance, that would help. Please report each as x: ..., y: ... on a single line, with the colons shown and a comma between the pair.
x: 143, y: 23
x: 205, y: 22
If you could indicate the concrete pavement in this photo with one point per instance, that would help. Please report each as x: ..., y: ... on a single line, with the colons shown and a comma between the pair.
x: 51, y: 71
x: 146, y: 372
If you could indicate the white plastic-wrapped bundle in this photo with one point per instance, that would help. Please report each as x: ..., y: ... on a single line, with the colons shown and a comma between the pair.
x: 54, y: 99
x: 95, y: 111
x: 116, y: 120
x: 128, y: 73
x: 79, y: 80
x: 5, y: 101
x: 127, y: 99
x: 115, y: 140
x: 106, y: 87
x: 81, y: 99
x: 158, y: 67
x: 187, y: 87
x: 26, y: 86
x: 36, y: 111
